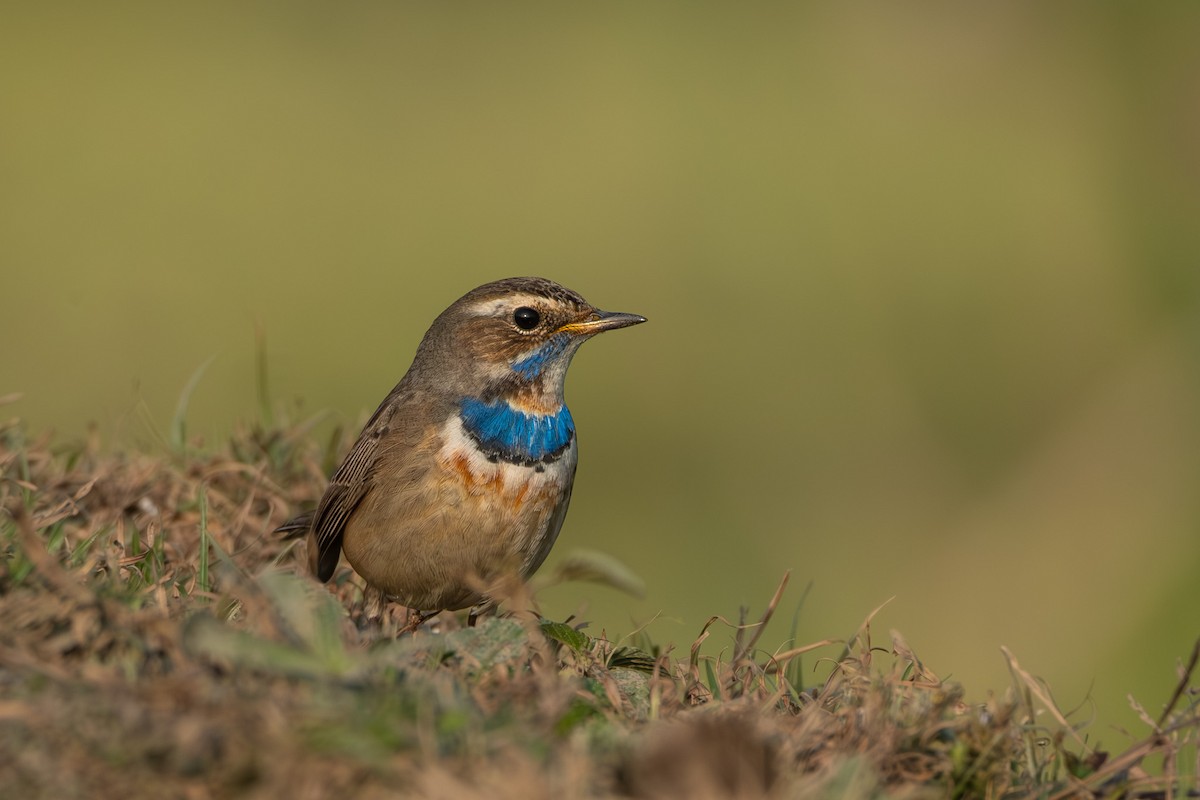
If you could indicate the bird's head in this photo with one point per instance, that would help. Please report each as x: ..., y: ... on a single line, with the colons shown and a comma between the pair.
x: 514, y: 338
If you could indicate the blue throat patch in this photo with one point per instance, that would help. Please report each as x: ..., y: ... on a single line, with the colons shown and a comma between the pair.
x: 533, y: 364
x: 502, y: 432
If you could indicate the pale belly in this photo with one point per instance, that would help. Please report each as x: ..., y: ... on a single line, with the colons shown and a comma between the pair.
x: 439, y: 541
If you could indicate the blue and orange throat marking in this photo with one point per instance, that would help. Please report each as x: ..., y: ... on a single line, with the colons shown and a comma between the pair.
x: 504, y: 433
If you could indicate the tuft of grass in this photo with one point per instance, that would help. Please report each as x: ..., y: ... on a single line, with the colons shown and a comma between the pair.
x: 159, y: 640
x: 178, y: 438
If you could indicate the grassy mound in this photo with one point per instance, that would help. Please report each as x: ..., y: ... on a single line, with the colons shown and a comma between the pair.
x: 159, y: 641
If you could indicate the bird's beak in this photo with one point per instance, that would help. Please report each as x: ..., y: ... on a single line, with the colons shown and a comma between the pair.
x: 600, y: 321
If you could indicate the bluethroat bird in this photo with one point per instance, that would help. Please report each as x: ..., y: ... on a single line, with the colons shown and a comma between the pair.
x: 464, y: 472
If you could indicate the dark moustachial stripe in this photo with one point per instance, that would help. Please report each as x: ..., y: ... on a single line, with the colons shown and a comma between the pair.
x: 514, y: 436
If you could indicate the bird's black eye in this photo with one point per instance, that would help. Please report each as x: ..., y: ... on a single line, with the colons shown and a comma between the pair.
x: 526, y: 318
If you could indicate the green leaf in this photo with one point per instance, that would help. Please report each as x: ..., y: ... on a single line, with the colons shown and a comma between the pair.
x: 312, y: 614
x: 578, y: 713
x: 565, y: 634
x: 714, y: 685
x: 204, y: 635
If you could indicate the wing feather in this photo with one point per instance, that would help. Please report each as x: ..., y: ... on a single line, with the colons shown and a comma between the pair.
x: 349, y: 485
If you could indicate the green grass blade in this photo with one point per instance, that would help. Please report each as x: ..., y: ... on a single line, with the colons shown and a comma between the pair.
x: 179, y: 421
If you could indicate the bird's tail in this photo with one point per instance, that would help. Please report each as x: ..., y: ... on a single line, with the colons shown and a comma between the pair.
x: 297, y: 526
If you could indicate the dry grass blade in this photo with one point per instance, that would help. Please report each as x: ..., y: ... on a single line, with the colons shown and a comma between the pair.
x: 1160, y: 739
x: 779, y: 660
x: 748, y: 649
x: 1181, y: 687
x: 587, y: 565
x: 1038, y: 690
x: 863, y: 635
x: 134, y: 666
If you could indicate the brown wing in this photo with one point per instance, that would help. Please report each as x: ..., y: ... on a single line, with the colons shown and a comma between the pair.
x: 297, y: 526
x: 348, y: 486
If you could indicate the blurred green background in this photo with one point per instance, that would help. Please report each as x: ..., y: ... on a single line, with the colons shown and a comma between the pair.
x: 923, y: 283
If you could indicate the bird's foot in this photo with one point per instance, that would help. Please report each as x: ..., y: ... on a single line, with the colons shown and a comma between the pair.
x: 415, y: 620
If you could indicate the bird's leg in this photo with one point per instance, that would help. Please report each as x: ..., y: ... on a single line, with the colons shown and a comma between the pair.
x: 415, y: 620
x: 373, y: 610
x: 479, y: 610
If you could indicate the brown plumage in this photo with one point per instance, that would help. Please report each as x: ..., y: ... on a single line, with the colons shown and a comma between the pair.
x: 466, y: 468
